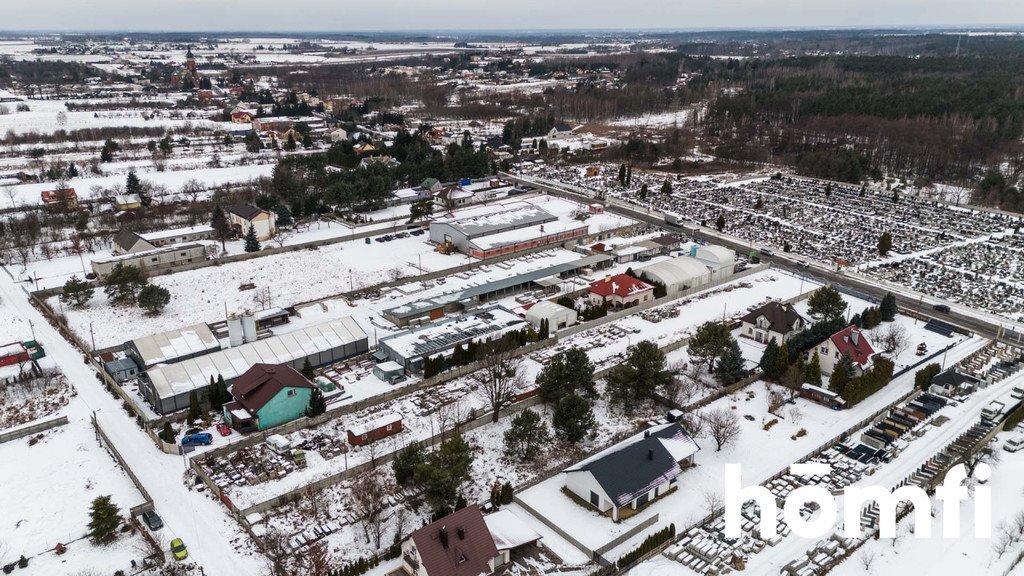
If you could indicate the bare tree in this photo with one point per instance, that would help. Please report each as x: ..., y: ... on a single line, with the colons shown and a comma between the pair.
x: 795, y: 415
x: 275, y: 546
x: 685, y: 384
x: 502, y: 378
x: 317, y: 560
x: 448, y: 416
x: 192, y: 188
x: 723, y: 427
x: 867, y: 558
x: 9, y: 192
x: 369, y: 502
x: 713, y: 502
x: 973, y: 454
x: 893, y: 339
x: 281, y: 238
x: 263, y: 297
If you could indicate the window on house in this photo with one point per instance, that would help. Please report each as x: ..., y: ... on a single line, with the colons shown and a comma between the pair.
x: 389, y: 428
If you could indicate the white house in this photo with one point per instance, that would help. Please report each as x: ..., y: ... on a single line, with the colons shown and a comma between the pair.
x: 242, y: 216
x: 634, y: 471
x: 772, y: 321
x: 849, y: 341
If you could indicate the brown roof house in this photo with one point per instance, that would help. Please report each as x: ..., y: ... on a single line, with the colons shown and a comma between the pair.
x: 267, y: 395
x: 459, y: 544
x: 242, y: 216
x: 772, y: 321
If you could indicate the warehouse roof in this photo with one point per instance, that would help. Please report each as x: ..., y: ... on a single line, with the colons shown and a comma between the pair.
x: 187, y: 375
x: 487, y: 224
x: 148, y: 253
x: 679, y: 270
x: 445, y: 334
x: 547, y: 309
x: 168, y: 346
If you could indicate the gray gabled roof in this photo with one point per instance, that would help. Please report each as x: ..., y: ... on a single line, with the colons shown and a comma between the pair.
x: 637, y: 465
x: 781, y: 318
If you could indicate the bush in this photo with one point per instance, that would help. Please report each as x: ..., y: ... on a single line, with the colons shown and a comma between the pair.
x: 650, y: 544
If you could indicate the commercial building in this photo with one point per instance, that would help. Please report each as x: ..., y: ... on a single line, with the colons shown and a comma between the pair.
x: 167, y: 387
x: 506, y: 232
x: 172, y: 346
x: 411, y: 346
x: 557, y: 316
x: 677, y: 275
x: 720, y: 260
x: 156, y: 260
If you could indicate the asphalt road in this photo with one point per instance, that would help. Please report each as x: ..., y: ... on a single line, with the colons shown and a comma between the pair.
x: 994, y: 328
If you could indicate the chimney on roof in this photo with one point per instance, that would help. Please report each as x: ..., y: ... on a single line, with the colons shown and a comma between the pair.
x: 443, y: 536
x: 650, y: 454
x: 853, y: 336
x: 461, y: 531
x: 647, y: 433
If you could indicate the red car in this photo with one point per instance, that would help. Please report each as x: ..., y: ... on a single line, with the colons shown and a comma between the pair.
x: 224, y: 429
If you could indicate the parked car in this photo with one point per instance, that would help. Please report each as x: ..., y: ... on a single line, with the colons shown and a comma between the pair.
x: 192, y: 431
x: 200, y: 439
x: 224, y: 429
x: 152, y: 519
x: 398, y: 379
x: 1014, y: 444
x: 178, y: 549
x: 941, y: 308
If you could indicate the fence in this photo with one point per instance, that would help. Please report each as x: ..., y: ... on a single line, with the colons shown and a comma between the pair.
x: 9, y: 435
x: 148, y: 500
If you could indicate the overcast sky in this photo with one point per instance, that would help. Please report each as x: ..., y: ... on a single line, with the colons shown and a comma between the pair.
x: 356, y: 15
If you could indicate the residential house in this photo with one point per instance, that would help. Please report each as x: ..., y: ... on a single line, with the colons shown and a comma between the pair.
x: 122, y: 369
x: 267, y: 395
x: 510, y: 533
x: 63, y: 198
x: 620, y: 291
x: 379, y: 160
x: 242, y: 216
x: 339, y: 135
x: 453, y: 196
x: 634, y: 471
x: 155, y: 260
x: 560, y: 131
x: 242, y: 116
x: 952, y: 383
x: 849, y: 341
x: 772, y: 321
x: 459, y: 544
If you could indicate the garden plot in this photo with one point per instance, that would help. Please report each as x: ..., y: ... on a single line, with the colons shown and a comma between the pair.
x: 42, y: 118
x: 31, y: 395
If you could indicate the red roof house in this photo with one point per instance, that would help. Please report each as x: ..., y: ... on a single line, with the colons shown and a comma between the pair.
x: 620, y: 291
x: 66, y: 197
x: 459, y: 544
x: 849, y: 341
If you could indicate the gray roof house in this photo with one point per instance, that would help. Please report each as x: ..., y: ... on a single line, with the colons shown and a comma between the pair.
x: 633, y: 472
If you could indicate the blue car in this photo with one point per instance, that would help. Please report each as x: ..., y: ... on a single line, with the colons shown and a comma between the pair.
x: 200, y: 439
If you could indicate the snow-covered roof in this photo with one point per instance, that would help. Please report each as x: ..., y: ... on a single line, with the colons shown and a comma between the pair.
x: 487, y: 224
x: 376, y: 423
x: 548, y: 309
x: 445, y: 334
x: 175, y: 232
x: 509, y: 531
x: 681, y: 270
x: 183, y: 377
x: 517, y: 235
x: 621, y: 285
x: 171, y: 345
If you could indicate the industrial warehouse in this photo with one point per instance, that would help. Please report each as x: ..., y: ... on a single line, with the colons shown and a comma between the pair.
x: 167, y: 387
x: 514, y: 230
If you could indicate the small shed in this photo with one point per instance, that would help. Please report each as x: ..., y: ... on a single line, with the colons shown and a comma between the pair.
x: 377, y: 429
x: 385, y: 371
x: 122, y: 369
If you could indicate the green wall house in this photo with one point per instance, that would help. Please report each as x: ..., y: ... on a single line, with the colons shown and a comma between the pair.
x: 267, y: 395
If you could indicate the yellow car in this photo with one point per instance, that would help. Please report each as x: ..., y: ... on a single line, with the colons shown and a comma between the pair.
x: 178, y: 549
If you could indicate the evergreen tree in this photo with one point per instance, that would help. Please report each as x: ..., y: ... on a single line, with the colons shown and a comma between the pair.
x: 826, y: 302
x: 709, y: 342
x: 730, y: 365
x: 643, y: 192
x: 769, y: 361
x: 123, y: 283
x: 573, y: 419
x: 526, y: 435
x: 251, y: 243
x: 221, y: 226
x: 506, y: 493
x: 153, y: 298
x: 167, y: 434
x: 195, y: 412
x: 640, y: 377
x: 666, y: 188
x: 885, y: 243
x: 888, y: 307
x: 923, y: 377
x: 307, y: 140
x: 76, y: 292
x: 782, y: 361
x: 567, y: 373
x: 812, y: 372
x: 317, y: 404
x: 841, y: 375
x: 720, y: 223
x: 133, y: 185
x: 290, y: 143
x: 405, y: 463
x: 222, y: 391
x: 307, y: 370
x: 445, y: 471
x: 622, y: 174
x: 104, y: 519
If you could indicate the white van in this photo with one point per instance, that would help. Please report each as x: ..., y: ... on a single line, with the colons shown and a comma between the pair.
x: 1014, y: 444
x: 279, y: 444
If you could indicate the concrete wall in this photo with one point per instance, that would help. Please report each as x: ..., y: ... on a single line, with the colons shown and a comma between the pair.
x: 14, y: 434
